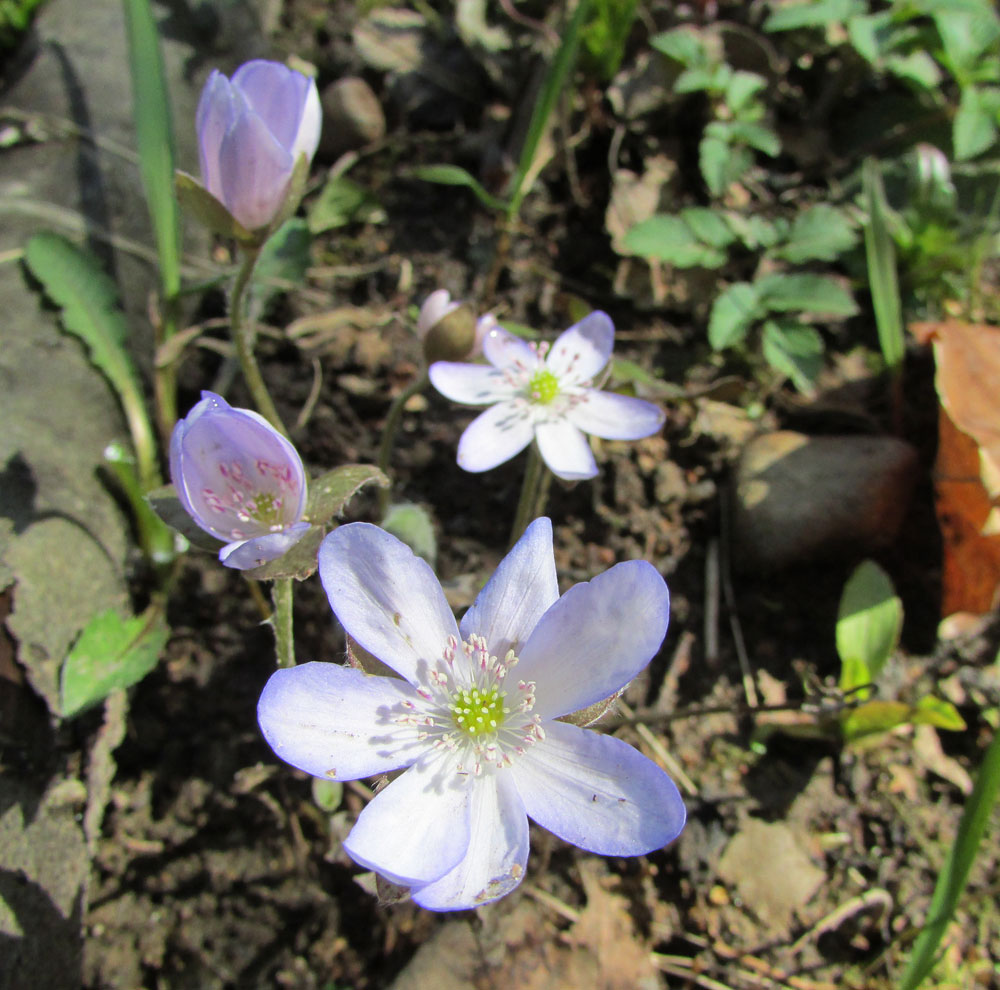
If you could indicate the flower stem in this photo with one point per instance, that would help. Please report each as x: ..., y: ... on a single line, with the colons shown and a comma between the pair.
x: 389, y: 431
x: 534, y: 493
x: 281, y: 619
x: 244, y: 338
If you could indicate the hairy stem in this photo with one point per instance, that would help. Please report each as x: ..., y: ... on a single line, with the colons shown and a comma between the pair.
x: 284, y: 641
x: 534, y: 493
x: 244, y: 337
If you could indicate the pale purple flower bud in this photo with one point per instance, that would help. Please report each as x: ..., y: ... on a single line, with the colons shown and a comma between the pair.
x: 251, y: 131
x: 447, y: 328
x: 240, y: 480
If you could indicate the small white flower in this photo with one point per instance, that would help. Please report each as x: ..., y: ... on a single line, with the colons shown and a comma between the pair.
x: 473, y: 718
x: 543, y: 395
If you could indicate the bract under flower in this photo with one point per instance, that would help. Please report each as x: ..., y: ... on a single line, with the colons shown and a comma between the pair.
x: 545, y: 395
x: 251, y: 130
x: 472, y: 718
x: 240, y: 480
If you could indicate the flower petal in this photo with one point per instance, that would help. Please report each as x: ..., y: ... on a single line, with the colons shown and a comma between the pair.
x: 417, y: 829
x: 495, y: 436
x: 255, y: 171
x: 337, y: 722
x: 509, y: 352
x: 615, y: 417
x: 216, y: 112
x: 598, y: 792
x: 247, y: 554
x: 565, y: 450
x: 580, y: 352
x: 494, y: 862
x: 518, y: 594
x: 280, y: 96
x: 386, y: 596
x: 596, y: 638
x: 471, y: 384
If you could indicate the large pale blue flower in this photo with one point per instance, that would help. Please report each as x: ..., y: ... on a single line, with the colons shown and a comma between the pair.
x: 473, y: 716
x: 240, y: 480
x: 251, y: 130
x: 543, y: 395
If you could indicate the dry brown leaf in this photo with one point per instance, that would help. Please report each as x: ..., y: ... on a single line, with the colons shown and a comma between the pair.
x: 967, y: 472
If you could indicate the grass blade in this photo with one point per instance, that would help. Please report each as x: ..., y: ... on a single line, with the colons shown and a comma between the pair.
x: 555, y: 80
x: 880, y: 252
x: 955, y: 872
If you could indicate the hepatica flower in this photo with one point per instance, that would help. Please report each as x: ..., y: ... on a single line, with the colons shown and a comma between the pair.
x: 240, y: 480
x: 473, y: 717
x: 251, y: 130
x: 545, y: 395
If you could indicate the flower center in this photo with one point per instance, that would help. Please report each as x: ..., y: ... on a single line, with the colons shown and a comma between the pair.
x: 479, y: 712
x: 543, y: 386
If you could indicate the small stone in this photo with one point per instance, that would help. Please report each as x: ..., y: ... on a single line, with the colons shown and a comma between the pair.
x: 352, y: 117
x: 801, y: 498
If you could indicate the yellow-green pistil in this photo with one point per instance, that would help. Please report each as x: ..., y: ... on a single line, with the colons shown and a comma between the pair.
x: 477, y: 712
x: 544, y: 386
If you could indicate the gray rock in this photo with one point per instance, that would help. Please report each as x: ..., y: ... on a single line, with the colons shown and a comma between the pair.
x: 801, y: 498
x: 352, y: 117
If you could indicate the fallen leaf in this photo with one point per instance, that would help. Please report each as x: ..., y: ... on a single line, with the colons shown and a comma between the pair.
x: 967, y: 472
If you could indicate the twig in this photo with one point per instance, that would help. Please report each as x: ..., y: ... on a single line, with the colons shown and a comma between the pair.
x: 749, y: 687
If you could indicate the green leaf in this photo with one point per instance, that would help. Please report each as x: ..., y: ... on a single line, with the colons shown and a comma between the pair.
x: 89, y: 303
x: 284, y: 258
x: 340, y: 202
x: 818, y: 233
x: 756, y: 231
x: 967, y: 32
x: 804, y: 292
x: 683, y: 44
x: 733, y: 313
x: 974, y: 129
x: 854, y: 674
x: 330, y: 492
x: 721, y: 164
x: 708, y: 226
x: 742, y: 88
x: 814, y: 14
x: 209, y: 212
x: 873, y: 717
x: 747, y: 132
x: 455, y: 175
x: 868, y: 622
x: 669, y: 238
x: 327, y: 794
x: 154, y: 137
x: 916, y: 67
x: 880, y: 257
x: 413, y: 525
x: 111, y: 653
x: 604, y: 37
x: 300, y: 562
x: 795, y: 350
x: 953, y: 876
x: 939, y: 713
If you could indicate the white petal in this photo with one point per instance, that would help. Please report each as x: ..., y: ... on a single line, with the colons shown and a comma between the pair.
x: 471, y: 384
x: 615, y: 417
x: 337, y: 722
x: 505, y: 350
x: 386, y: 597
x: 417, y: 829
x: 498, y: 850
x: 565, y: 450
x: 580, y: 352
x: 598, y: 792
x: 596, y: 638
x: 495, y: 436
x: 518, y: 594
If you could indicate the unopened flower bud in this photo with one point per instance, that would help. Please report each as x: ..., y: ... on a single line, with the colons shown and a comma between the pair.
x: 251, y: 131
x: 447, y: 327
